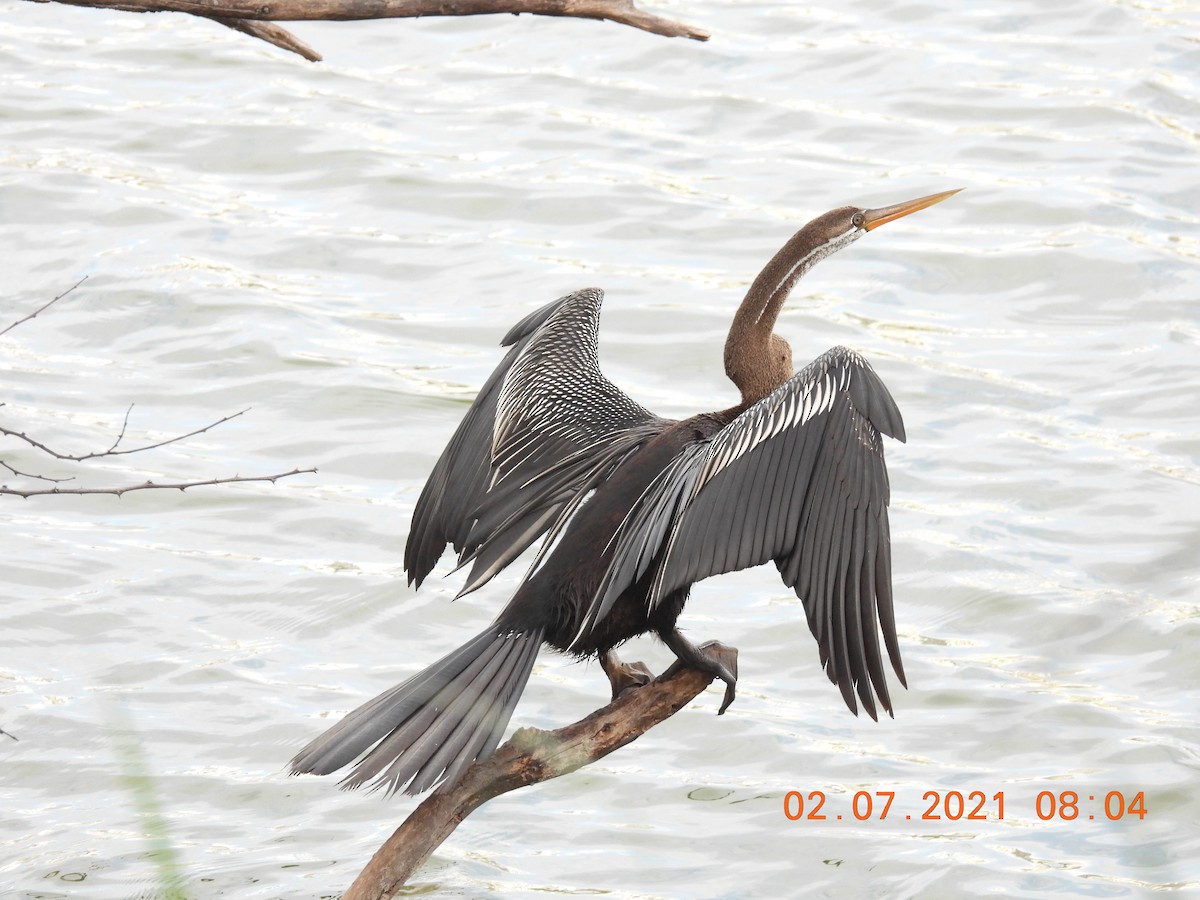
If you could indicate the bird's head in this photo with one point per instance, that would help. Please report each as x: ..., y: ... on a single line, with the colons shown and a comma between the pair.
x: 757, y: 360
x: 837, y: 228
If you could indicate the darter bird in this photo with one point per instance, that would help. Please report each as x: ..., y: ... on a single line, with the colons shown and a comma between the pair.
x: 635, y: 509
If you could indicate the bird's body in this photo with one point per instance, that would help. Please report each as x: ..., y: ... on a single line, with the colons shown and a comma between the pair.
x: 635, y: 509
x: 557, y: 596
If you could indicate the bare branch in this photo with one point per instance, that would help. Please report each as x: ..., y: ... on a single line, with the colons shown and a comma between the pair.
x: 272, y: 34
x: 112, y: 451
x: 10, y: 734
x: 42, y: 309
x: 531, y: 756
x: 20, y: 474
x: 150, y: 485
x: 230, y: 12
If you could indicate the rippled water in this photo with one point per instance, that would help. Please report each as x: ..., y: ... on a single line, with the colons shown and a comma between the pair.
x: 340, y: 246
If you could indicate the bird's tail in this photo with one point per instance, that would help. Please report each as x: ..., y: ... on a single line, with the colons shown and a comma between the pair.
x: 433, y: 726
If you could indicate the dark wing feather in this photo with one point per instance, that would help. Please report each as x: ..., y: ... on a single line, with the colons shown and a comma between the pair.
x: 798, y: 478
x: 444, y: 511
x: 546, y: 426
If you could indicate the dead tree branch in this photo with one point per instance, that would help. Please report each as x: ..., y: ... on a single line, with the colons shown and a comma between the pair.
x: 254, y: 17
x: 112, y: 450
x: 153, y: 485
x: 530, y: 757
x: 272, y: 34
x: 44, y: 307
x: 35, y: 477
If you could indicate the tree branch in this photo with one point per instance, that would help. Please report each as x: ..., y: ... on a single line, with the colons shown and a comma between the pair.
x: 248, y: 15
x: 530, y: 756
x: 272, y: 34
x: 150, y: 485
x: 44, y: 307
x: 113, y: 451
x: 21, y: 474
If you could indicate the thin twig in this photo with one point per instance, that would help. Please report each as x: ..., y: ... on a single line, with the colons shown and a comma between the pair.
x: 112, y: 451
x: 150, y: 485
x: 10, y: 734
x: 38, y: 477
x: 41, y: 309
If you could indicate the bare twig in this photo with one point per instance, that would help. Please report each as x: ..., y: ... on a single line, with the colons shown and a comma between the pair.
x: 150, y: 485
x: 45, y: 307
x: 229, y: 12
x: 20, y: 474
x: 10, y: 734
x: 531, y: 756
x: 113, y: 451
x: 125, y: 424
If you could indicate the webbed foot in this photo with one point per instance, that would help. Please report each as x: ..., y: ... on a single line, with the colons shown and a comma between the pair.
x: 711, y: 657
x: 624, y: 676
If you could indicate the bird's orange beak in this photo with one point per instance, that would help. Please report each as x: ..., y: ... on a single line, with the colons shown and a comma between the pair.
x: 873, y: 218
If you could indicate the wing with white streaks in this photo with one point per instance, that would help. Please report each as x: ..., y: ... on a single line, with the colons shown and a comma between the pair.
x: 798, y: 478
x: 546, y: 426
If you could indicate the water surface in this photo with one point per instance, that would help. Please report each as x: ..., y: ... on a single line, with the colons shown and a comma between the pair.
x: 340, y: 246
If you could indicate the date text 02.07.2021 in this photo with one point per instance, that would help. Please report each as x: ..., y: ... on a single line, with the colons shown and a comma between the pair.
x: 954, y: 806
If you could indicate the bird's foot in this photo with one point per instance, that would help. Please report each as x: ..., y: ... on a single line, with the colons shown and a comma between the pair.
x: 624, y: 677
x: 712, y: 658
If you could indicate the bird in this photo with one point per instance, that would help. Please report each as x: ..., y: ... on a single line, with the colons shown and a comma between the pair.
x: 633, y: 509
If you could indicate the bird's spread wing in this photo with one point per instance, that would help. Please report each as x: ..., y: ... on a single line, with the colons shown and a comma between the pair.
x: 545, y: 428
x: 798, y: 478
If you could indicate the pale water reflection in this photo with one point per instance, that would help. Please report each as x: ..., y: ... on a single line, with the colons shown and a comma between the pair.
x: 340, y: 246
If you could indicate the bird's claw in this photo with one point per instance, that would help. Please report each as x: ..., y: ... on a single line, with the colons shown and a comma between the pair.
x: 712, y: 657
x: 724, y: 660
x: 624, y: 677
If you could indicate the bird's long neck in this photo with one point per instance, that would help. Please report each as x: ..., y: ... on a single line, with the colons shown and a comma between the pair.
x: 754, y: 355
x: 757, y: 360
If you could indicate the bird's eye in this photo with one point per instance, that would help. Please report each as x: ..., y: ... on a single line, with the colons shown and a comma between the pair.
x: 858, y: 220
